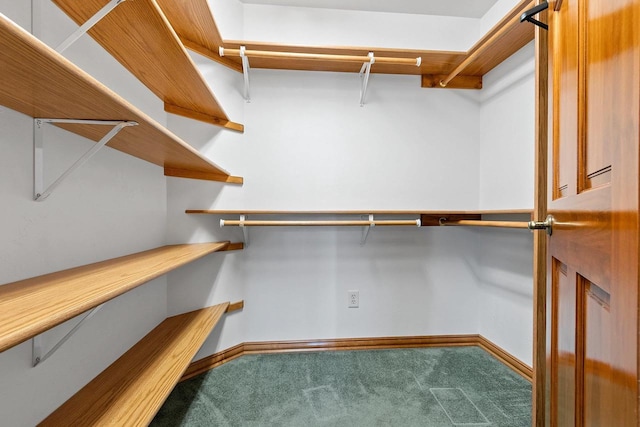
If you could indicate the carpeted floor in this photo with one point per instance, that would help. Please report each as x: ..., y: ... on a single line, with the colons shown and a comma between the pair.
x: 431, y: 387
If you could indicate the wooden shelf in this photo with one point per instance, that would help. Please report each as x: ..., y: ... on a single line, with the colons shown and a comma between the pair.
x: 32, y: 306
x: 502, y: 41
x: 131, y: 391
x: 140, y: 37
x: 193, y: 22
x: 358, y: 212
x: 39, y: 82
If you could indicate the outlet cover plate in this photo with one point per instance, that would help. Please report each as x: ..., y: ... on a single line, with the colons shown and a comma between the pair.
x: 353, y: 299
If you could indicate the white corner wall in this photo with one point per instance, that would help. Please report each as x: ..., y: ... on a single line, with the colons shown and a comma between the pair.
x: 114, y: 205
x: 504, y: 267
x: 308, y: 145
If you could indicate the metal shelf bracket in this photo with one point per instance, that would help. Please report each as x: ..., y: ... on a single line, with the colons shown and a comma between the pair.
x: 365, y: 71
x: 88, y: 24
x: 245, y: 70
x: 36, y: 342
x: 366, y: 229
x: 40, y: 193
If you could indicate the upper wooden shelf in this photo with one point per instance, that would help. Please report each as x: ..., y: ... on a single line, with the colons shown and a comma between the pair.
x: 39, y: 82
x: 132, y: 389
x: 32, y: 306
x: 194, y: 24
x: 197, y: 29
x: 139, y: 36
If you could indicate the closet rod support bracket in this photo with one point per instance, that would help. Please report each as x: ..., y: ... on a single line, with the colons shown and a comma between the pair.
x: 36, y: 342
x: 73, y: 37
x: 366, y: 229
x: 40, y: 193
x: 365, y: 71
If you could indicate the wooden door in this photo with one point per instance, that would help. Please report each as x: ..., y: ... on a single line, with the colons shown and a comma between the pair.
x: 593, y: 192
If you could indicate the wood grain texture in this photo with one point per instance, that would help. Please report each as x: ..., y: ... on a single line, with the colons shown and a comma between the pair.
x: 433, y: 62
x: 458, y: 82
x: 381, y: 343
x: 195, y: 115
x: 194, y: 24
x: 140, y: 37
x: 595, y: 245
x: 426, y: 212
x: 197, y: 174
x: 32, y: 306
x: 540, y: 310
x: 39, y: 82
x: 503, y: 40
x: 485, y: 223
x: 131, y: 391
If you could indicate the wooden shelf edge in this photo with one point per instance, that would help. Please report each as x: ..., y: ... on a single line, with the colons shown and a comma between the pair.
x: 207, y: 176
x: 459, y: 82
x: 237, y: 246
x: 141, y: 38
x: 202, y: 117
x: 29, y: 307
x: 356, y: 212
x: 235, y: 306
x: 133, y: 388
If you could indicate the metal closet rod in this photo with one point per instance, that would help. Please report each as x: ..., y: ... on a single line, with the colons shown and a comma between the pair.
x: 320, y: 56
x: 360, y: 223
x: 480, y: 223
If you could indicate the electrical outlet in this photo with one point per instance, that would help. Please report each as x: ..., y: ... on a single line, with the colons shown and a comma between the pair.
x: 353, y: 299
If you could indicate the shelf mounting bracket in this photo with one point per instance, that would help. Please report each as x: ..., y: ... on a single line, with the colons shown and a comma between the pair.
x: 36, y: 342
x: 366, y: 229
x: 245, y: 230
x: 40, y: 193
x: 365, y: 71
x: 245, y: 70
x: 88, y: 24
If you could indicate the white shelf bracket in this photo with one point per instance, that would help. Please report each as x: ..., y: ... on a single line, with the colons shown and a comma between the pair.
x: 36, y: 342
x: 245, y: 230
x: 365, y: 71
x: 366, y: 229
x: 245, y: 70
x: 40, y: 193
x: 87, y: 25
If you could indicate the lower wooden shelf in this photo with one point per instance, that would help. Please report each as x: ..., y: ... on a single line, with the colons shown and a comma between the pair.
x: 131, y: 391
x: 32, y: 306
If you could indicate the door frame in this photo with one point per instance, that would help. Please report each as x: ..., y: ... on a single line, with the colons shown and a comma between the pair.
x: 540, y: 411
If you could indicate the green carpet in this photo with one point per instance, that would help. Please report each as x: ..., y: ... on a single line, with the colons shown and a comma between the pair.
x: 455, y: 386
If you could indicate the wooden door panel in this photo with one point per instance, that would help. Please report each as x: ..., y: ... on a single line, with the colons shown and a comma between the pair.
x: 565, y: 108
x: 563, y: 353
x: 595, y: 334
x: 593, y: 253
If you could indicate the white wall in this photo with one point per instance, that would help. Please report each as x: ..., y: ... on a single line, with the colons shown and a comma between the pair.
x: 333, y: 27
x: 114, y: 205
x: 308, y: 145
x: 504, y: 258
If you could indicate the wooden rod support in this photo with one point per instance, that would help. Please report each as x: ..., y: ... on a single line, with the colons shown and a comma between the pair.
x: 320, y: 56
x: 480, y: 223
x: 361, y: 223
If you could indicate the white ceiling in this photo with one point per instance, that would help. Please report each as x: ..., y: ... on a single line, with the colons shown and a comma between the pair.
x: 460, y: 8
